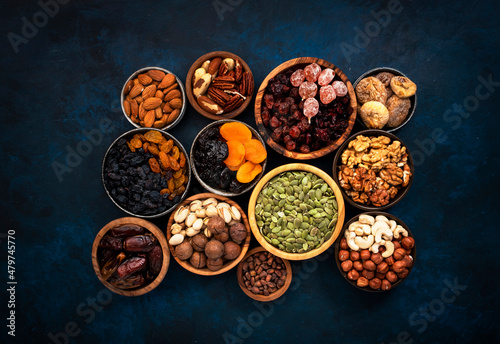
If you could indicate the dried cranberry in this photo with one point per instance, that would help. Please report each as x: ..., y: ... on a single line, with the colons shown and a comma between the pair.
x: 294, y: 132
x: 275, y: 122
x: 290, y: 145
x: 269, y: 100
x: 283, y: 108
x: 305, y: 149
x: 276, y: 135
x: 294, y: 93
x: 265, y: 117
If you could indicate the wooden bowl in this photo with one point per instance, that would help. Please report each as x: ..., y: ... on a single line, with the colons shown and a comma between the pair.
x: 256, y: 230
x: 255, y: 135
x: 301, y: 62
x: 228, y: 265
x: 189, y: 85
x: 130, y: 134
x: 264, y: 298
x: 338, y: 161
x: 161, y: 239
x: 355, y: 218
x: 181, y: 89
x: 413, y: 99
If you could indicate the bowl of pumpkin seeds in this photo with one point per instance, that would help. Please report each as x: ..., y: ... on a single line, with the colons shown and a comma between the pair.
x: 296, y: 211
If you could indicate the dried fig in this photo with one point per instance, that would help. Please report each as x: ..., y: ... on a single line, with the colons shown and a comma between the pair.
x: 374, y: 114
x: 398, y: 110
x: 403, y: 87
x: 371, y: 89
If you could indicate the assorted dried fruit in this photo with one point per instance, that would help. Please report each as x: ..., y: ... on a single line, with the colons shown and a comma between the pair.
x: 221, y: 85
x: 376, y: 252
x: 306, y: 109
x: 263, y: 273
x: 374, y: 169
x: 147, y: 174
x: 133, y: 260
x: 152, y: 99
x: 227, y: 157
x: 207, y: 232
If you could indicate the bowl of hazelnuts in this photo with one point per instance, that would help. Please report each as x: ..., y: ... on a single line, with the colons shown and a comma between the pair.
x: 375, y: 251
x: 208, y: 234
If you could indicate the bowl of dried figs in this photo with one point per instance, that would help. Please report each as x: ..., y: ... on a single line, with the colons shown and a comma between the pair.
x: 386, y: 99
x: 373, y: 169
x: 219, y: 85
x: 153, y: 97
x: 305, y: 108
x: 375, y: 251
x: 130, y: 256
x: 208, y: 234
x: 228, y: 157
x: 146, y: 172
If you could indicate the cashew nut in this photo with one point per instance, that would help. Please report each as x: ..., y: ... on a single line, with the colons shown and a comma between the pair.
x: 350, y: 241
x: 382, y: 218
x: 359, y: 231
x: 389, y: 249
x: 353, y: 226
x: 386, y: 232
x: 400, y: 230
x: 364, y: 243
x: 367, y: 229
x: 378, y: 225
x: 366, y: 219
x: 393, y: 225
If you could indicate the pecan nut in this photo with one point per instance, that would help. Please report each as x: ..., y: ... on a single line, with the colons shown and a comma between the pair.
x: 238, y: 71
x: 218, y: 96
x: 224, y: 82
x: 233, y: 104
x: 246, y: 86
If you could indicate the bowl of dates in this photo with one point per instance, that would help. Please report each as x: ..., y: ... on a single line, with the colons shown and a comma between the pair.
x: 374, y: 170
x: 375, y: 251
x: 146, y: 172
x: 153, y: 97
x: 305, y: 108
x: 130, y: 256
x: 219, y: 85
x: 396, y: 94
x: 228, y: 157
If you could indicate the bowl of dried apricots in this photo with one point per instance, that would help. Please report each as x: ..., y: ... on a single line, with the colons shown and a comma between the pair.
x: 228, y: 157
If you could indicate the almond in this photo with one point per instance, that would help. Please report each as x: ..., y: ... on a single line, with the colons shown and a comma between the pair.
x: 170, y: 88
x: 159, y: 124
x: 176, y: 103
x: 142, y: 112
x: 128, y: 87
x: 149, y: 119
x: 144, y: 79
x: 168, y: 80
x: 134, y: 107
x: 159, y: 94
x: 167, y: 108
x: 139, y: 99
x: 149, y: 92
x: 136, y: 81
x: 136, y: 90
x: 158, y: 112
x: 171, y: 95
x: 156, y: 74
x: 173, y: 116
x: 126, y: 107
x: 134, y: 119
x: 152, y: 103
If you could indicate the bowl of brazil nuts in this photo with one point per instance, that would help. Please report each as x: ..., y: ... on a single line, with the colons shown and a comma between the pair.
x: 296, y: 211
x: 375, y: 251
x: 263, y: 276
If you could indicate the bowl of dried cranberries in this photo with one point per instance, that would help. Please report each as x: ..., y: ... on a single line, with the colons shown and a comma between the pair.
x: 305, y: 108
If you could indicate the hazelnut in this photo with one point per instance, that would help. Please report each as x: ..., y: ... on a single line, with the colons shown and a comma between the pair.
x: 389, y: 260
x: 346, y: 265
x: 383, y: 268
x: 398, y: 266
x: 382, y: 249
x: 357, y: 265
x: 343, y: 244
x: 399, y: 253
x: 216, y: 225
x: 354, y: 255
x: 369, y: 265
x: 231, y: 250
x: 391, y: 277
x: 362, y: 282
x: 368, y: 274
x: 408, y: 251
x: 183, y: 251
x: 375, y: 283
x: 365, y: 254
x: 408, y: 243
x: 198, y: 260
x: 353, y: 275
x: 408, y: 261
x: 386, y: 285
x: 396, y: 244
x: 222, y: 237
x: 343, y: 255
x: 214, y: 264
x: 238, y: 232
x: 404, y: 273
x: 214, y: 249
x: 376, y: 258
x: 380, y: 276
x: 199, y: 242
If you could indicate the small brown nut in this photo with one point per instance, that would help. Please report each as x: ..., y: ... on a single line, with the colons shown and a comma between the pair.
x: 376, y: 258
x: 399, y: 253
x: 215, y: 249
x: 368, y: 274
x: 396, y: 244
x: 231, y: 250
x: 375, y: 283
x: 183, y: 251
x: 408, y: 261
x: 238, y: 232
x: 214, y: 264
x: 199, y: 242
x: 209, y: 105
x: 362, y: 282
x: 214, y: 65
x: 357, y: 265
x: 380, y: 276
x: 346, y: 265
x: 198, y: 260
x: 369, y: 265
x: 201, y: 85
x: 354, y: 255
x: 365, y: 254
x: 403, y: 87
x: 343, y: 255
x: 389, y: 260
x: 386, y: 285
x: 391, y: 276
x: 408, y: 251
x: 398, y: 266
x: 353, y: 275
x: 343, y: 244
x: 404, y: 273
x: 408, y: 243
x: 383, y: 268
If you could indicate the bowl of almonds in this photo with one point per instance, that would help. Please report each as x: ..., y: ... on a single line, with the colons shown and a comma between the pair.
x: 153, y: 97
x: 219, y: 85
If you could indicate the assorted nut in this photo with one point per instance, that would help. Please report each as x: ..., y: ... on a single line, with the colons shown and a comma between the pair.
x: 208, y: 233
x: 376, y: 252
x: 296, y: 211
x: 263, y: 273
x: 374, y: 169
x: 221, y: 85
x: 152, y: 99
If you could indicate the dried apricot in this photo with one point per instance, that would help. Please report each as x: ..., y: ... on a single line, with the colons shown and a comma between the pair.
x: 255, y: 151
x: 248, y: 171
x: 155, y: 166
x: 235, y: 131
x: 154, y: 136
x: 236, y: 168
x: 236, y: 153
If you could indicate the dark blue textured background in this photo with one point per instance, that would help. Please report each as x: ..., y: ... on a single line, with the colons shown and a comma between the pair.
x: 63, y: 81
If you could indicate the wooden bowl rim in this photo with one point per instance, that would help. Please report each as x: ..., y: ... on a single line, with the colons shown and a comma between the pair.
x: 189, y: 87
x: 264, y: 298
x: 227, y: 266
x: 181, y: 88
x: 413, y: 99
x: 177, y: 143
x: 390, y: 217
x: 162, y: 241
x: 320, y: 152
x: 296, y: 167
x: 255, y: 134
x: 401, y: 193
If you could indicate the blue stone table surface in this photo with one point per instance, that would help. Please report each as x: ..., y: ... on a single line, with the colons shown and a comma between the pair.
x: 63, y: 64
